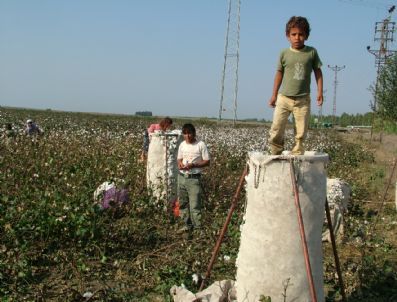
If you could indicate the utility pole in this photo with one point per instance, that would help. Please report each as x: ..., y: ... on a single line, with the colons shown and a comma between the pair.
x: 229, y: 83
x: 335, y: 69
x: 384, y: 31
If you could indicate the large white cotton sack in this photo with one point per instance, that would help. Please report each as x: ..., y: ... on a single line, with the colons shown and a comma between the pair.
x: 270, y: 260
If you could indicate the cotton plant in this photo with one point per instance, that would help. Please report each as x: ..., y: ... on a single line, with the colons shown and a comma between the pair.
x: 237, y: 140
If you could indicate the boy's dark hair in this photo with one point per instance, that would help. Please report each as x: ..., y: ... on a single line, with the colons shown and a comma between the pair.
x: 188, y: 129
x: 298, y: 22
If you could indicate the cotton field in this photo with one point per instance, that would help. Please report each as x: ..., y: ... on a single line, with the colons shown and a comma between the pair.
x: 56, y: 244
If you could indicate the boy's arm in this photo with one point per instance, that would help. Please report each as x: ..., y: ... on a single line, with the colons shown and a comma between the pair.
x: 319, y: 80
x: 200, y: 164
x: 278, y: 78
x: 179, y: 158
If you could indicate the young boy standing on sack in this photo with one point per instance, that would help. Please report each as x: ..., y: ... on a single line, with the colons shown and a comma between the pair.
x: 293, y: 76
x: 192, y: 157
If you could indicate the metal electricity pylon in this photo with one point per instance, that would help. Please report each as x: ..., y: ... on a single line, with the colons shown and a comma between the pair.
x: 335, y: 69
x: 384, y: 31
x: 229, y: 83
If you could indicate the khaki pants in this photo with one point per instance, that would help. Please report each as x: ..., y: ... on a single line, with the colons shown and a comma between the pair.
x: 300, y: 108
x: 189, y: 194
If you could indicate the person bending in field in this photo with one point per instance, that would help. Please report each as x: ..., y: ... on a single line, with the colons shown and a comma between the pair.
x: 293, y: 73
x: 9, y: 132
x: 164, y: 125
x: 32, y: 128
x: 192, y: 156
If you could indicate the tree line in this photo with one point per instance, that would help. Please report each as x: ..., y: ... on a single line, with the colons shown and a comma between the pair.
x: 385, y: 94
x: 344, y: 120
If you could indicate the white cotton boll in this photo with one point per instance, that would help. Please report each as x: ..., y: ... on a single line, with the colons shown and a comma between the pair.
x: 88, y: 295
x: 60, y: 219
x: 195, y: 278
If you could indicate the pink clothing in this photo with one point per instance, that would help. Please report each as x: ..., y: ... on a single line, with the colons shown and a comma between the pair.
x: 153, y: 127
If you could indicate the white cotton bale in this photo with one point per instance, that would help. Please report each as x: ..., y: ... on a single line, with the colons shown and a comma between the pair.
x: 270, y: 261
x: 162, y: 168
x: 338, y: 192
x: 338, y: 196
x: 217, y: 291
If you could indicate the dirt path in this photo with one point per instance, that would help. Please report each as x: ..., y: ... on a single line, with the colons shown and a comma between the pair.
x: 385, y: 150
x: 384, y: 147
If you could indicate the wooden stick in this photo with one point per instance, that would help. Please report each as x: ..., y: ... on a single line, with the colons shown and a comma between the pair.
x: 337, y: 263
x: 224, y: 228
x: 302, y: 234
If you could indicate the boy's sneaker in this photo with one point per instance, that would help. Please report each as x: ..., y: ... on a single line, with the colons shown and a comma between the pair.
x: 197, y: 232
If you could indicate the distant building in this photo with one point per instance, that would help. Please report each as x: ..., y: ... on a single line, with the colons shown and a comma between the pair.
x: 144, y: 113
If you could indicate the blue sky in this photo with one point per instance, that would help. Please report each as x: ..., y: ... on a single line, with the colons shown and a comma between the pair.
x: 166, y: 56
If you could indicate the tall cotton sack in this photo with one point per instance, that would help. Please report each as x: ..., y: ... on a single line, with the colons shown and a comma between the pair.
x: 270, y: 260
x: 162, y: 168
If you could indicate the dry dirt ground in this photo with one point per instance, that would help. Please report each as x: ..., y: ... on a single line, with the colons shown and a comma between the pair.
x: 381, y: 202
x: 383, y: 145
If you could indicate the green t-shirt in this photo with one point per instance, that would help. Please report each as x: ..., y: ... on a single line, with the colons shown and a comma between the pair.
x: 296, y: 67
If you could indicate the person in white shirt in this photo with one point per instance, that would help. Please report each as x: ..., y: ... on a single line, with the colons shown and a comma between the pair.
x: 192, y: 157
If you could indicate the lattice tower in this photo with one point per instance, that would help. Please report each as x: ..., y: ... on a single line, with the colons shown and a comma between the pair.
x: 335, y: 69
x: 229, y: 82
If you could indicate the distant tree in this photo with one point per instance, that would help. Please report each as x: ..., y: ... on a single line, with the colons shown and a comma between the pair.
x: 367, y: 119
x: 386, y: 91
x: 345, y: 119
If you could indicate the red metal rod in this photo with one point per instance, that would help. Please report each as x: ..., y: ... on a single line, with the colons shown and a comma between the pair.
x: 302, y: 234
x: 337, y: 263
x: 372, y: 228
x: 224, y: 228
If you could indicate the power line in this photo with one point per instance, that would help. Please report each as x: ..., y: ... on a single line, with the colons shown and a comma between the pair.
x: 367, y: 3
x: 229, y: 83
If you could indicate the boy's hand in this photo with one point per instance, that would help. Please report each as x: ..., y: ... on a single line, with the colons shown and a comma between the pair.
x: 320, y: 100
x: 188, y: 166
x: 181, y: 166
x: 272, y: 101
